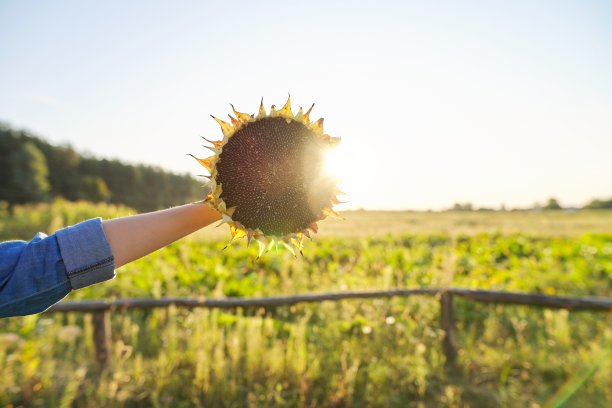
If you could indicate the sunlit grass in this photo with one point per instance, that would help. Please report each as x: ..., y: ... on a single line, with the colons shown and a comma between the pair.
x: 350, y: 353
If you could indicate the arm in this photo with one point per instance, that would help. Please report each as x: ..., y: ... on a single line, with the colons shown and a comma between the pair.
x: 133, y: 237
x: 36, y: 274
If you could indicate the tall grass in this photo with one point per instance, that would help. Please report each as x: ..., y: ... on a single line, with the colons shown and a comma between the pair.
x: 23, y: 221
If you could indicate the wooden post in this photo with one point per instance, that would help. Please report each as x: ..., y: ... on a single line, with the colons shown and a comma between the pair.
x: 102, y: 337
x: 447, y: 323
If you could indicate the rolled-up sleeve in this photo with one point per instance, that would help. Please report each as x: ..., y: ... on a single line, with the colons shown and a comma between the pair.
x: 34, y: 275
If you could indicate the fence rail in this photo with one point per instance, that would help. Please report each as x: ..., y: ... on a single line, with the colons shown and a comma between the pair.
x: 101, y: 309
x: 559, y: 302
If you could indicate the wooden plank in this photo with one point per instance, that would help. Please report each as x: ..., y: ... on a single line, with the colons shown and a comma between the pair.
x: 229, y: 303
x: 528, y: 299
x: 564, y: 302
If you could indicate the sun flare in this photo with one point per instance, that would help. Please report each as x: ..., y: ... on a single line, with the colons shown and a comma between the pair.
x: 339, y: 164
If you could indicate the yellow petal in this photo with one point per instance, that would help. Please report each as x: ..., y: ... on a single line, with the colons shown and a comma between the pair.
x: 262, y: 110
x: 300, y: 115
x: 307, y: 115
x: 285, y: 111
x: 335, y: 200
x: 207, y: 163
x: 216, y: 143
x: 317, y: 126
x: 242, y: 117
x: 217, y: 191
x: 265, y: 244
x: 212, y: 149
x: 271, y: 243
x: 334, y: 141
x: 273, y: 112
x: 297, y: 243
x: 262, y: 247
x: 340, y: 192
x: 235, y: 122
x: 289, y: 247
x: 226, y: 128
x: 210, y: 197
x: 221, y: 206
x: 224, y: 220
x: 236, y: 232
x: 328, y: 212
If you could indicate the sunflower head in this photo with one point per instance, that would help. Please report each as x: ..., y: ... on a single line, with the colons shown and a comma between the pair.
x: 267, y: 176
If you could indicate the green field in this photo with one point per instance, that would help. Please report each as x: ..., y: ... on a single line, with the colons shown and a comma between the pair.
x: 354, y: 353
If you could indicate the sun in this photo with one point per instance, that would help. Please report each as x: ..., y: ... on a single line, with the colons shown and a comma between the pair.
x: 337, y: 163
x: 269, y: 176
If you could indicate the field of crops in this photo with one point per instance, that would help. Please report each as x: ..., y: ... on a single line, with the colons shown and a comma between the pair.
x: 358, y: 353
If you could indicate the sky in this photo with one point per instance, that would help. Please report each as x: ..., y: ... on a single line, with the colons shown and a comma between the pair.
x: 489, y: 102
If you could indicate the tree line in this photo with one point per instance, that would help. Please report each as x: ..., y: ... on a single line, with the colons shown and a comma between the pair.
x: 551, y: 205
x: 33, y: 170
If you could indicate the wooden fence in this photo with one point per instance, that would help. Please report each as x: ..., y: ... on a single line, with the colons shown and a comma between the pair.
x: 102, y: 309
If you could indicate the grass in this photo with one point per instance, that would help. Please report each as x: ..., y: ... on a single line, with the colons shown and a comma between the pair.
x: 362, y: 224
x: 350, y: 353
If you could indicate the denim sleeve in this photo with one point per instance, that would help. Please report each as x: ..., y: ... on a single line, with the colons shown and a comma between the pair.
x: 34, y: 275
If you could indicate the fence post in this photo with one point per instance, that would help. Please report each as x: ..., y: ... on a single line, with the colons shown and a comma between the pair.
x: 447, y: 323
x: 102, y: 337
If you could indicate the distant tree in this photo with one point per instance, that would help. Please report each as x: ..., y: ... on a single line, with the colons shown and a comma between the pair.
x: 463, y: 207
x: 7, y: 145
x: 94, y: 189
x: 65, y: 176
x: 29, y: 181
x: 32, y: 169
x: 552, y: 204
x: 599, y: 205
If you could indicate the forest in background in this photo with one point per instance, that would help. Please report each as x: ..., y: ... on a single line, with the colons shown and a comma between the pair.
x: 33, y: 170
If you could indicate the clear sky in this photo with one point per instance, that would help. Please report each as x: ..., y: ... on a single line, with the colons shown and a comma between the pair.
x: 437, y: 102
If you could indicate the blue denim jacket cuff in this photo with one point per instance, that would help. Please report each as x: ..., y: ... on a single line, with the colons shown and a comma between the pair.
x: 86, y: 253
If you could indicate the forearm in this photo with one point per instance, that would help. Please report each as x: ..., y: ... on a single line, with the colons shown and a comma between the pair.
x: 135, y: 236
